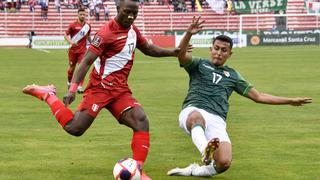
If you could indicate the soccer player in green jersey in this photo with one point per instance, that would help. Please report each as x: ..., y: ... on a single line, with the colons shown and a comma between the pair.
x: 205, y: 108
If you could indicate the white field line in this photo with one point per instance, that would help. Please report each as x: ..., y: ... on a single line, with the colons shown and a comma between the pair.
x: 43, y: 50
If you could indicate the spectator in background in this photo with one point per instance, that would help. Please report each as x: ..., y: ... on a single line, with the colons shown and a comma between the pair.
x: 11, y: 6
x: 32, y: 4
x: 30, y: 35
x: 18, y: 4
x: 44, y: 9
x: 106, y: 13
x: 57, y: 5
x: 2, y: 5
x: 204, y: 3
x: 75, y: 4
x: 193, y: 5
x: 175, y: 4
x: 84, y: 3
x: 91, y: 8
x: 97, y: 6
x: 229, y: 5
x: 184, y: 6
x: 97, y: 12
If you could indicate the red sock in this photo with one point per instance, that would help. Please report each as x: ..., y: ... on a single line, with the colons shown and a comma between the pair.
x: 61, y: 113
x: 140, y: 146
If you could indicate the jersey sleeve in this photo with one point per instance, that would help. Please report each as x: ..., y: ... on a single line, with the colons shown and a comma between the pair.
x: 242, y: 86
x: 140, y: 38
x: 193, y: 64
x: 99, y: 42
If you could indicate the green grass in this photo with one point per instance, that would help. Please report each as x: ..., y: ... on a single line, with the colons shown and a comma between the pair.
x: 269, y: 142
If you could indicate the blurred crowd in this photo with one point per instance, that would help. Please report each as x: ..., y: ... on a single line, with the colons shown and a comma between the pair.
x: 94, y: 6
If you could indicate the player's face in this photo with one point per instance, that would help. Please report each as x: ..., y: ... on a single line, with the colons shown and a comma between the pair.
x: 128, y: 12
x: 220, y: 52
x: 82, y: 16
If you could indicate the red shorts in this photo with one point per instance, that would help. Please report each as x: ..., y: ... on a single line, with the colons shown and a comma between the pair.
x: 97, y: 97
x: 75, y: 57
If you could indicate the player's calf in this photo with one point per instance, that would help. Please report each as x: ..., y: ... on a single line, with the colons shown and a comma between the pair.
x: 208, y: 154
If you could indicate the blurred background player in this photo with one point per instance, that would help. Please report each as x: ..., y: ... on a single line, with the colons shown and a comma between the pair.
x: 206, y: 106
x: 77, y: 35
x: 114, y: 44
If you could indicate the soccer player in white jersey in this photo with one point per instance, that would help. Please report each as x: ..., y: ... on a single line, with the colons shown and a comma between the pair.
x: 205, y: 108
x: 114, y: 46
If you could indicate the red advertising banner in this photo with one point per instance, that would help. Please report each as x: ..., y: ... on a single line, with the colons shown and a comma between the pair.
x: 165, y: 41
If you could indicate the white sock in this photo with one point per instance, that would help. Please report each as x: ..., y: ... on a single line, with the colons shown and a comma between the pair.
x: 198, y: 138
x: 208, y: 170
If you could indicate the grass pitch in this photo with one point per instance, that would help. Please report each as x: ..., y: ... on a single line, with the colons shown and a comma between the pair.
x: 269, y: 142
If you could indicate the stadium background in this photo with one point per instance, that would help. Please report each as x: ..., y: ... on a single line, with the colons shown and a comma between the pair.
x: 269, y: 142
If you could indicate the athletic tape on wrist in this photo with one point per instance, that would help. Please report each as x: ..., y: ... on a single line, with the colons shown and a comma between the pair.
x: 73, y: 87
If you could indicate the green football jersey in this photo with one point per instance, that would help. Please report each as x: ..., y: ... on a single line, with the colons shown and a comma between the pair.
x: 210, y: 86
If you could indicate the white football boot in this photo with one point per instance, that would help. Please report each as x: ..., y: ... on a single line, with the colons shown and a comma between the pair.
x: 183, y: 171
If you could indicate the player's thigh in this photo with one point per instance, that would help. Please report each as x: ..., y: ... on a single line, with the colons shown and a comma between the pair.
x: 184, y: 117
x: 123, y: 101
x: 80, y: 57
x: 73, y: 58
x: 135, y: 118
x: 94, y: 99
x: 129, y: 112
x: 216, y: 127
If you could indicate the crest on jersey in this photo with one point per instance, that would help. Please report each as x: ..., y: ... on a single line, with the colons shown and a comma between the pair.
x: 96, y: 41
x: 95, y: 107
x: 226, y: 73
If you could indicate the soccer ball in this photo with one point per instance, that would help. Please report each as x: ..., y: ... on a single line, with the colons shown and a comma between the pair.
x: 126, y: 169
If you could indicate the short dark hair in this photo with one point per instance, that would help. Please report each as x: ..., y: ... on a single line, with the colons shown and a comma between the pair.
x: 223, y: 38
x: 81, y: 10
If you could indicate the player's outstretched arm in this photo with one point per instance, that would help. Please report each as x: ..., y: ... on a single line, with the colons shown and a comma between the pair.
x: 264, y: 98
x: 79, y: 75
x: 156, y: 51
x: 184, y: 55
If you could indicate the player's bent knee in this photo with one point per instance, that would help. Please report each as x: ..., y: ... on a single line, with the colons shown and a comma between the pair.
x: 142, y: 123
x: 195, y: 118
x: 136, y: 119
x: 74, y: 131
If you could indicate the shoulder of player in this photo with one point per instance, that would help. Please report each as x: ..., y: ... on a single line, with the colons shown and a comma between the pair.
x: 87, y: 24
x: 106, y: 33
x: 232, y: 71
x: 134, y: 27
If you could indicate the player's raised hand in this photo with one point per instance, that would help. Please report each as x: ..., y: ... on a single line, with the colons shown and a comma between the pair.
x: 74, y: 43
x: 196, y: 25
x: 300, y: 101
x: 69, y: 98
